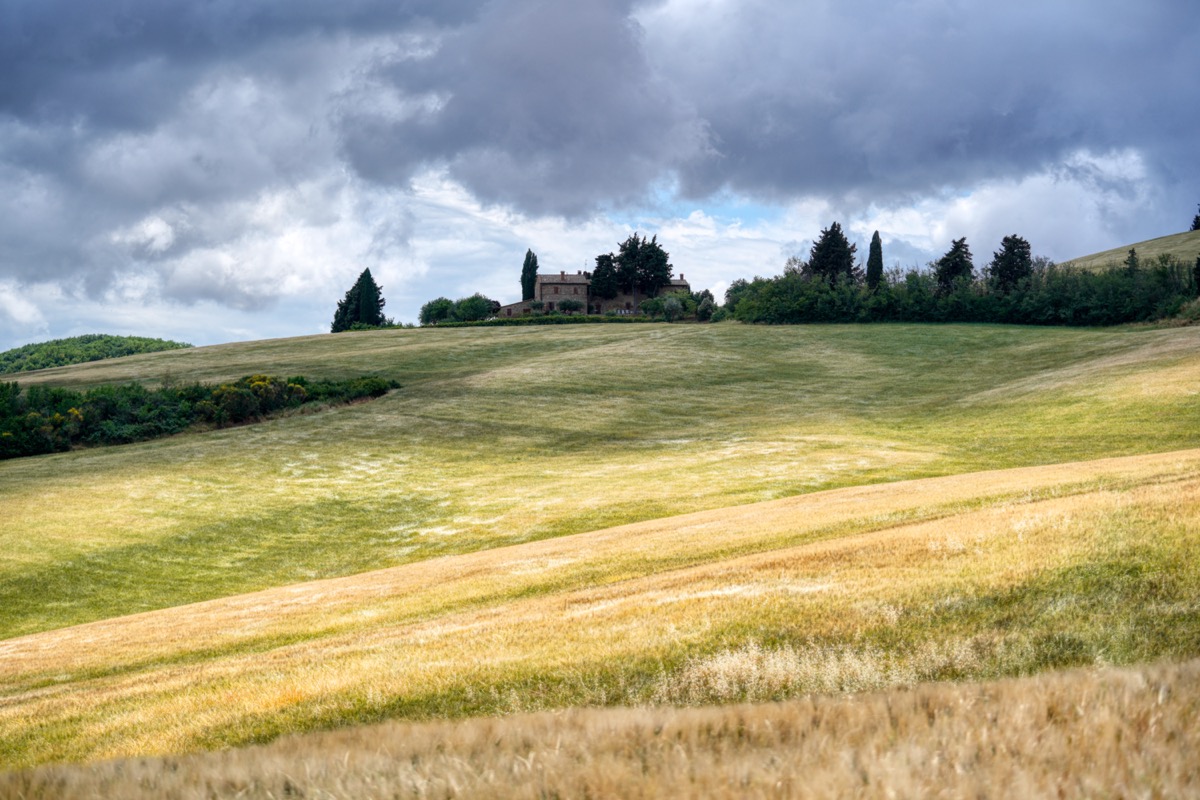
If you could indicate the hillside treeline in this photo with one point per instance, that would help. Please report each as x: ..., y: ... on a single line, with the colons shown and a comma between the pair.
x: 79, y: 350
x: 43, y: 419
x: 1014, y: 288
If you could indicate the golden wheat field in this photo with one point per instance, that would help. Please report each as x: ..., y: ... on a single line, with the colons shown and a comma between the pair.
x: 1096, y: 733
x: 935, y: 528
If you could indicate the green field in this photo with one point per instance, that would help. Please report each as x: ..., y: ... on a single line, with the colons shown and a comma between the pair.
x: 504, y: 436
x: 1183, y: 246
x: 523, y: 437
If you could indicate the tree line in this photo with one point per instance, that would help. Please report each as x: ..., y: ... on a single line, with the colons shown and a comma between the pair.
x: 43, y: 419
x: 1013, y: 287
x: 79, y: 350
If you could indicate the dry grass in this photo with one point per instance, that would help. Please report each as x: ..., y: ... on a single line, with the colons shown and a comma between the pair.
x: 963, y: 577
x: 504, y: 436
x: 469, y: 482
x: 1184, y: 246
x: 1095, y: 733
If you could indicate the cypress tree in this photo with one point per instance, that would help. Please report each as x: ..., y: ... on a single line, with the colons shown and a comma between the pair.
x: 875, y: 263
x: 529, y: 275
x: 363, y: 303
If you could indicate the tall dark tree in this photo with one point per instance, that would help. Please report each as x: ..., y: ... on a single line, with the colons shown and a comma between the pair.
x: 654, y: 267
x: 363, y: 303
x: 955, y: 265
x: 875, y: 262
x: 529, y: 275
x: 1132, y: 262
x: 832, y: 256
x: 642, y: 266
x: 604, y: 279
x: 1196, y: 220
x: 1011, y: 264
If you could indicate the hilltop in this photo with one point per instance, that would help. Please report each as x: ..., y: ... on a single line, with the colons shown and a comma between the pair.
x: 79, y: 350
x: 1183, y: 246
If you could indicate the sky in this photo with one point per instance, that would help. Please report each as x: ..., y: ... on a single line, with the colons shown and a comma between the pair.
x: 223, y: 170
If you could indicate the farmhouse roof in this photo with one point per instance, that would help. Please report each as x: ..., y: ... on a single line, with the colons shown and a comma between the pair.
x: 563, y: 277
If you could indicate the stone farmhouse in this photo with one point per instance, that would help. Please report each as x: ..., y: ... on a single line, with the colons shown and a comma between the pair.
x: 552, y: 289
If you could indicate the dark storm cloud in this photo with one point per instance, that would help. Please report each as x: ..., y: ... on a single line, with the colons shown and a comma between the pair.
x: 885, y: 99
x: 138, y: 135
x: 546, y: 105
x: 564, y: 108
x: 111, y: 112
x: 121, y: 62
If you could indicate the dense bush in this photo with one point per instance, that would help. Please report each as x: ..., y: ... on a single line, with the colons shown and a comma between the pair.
x: 1049, y: 295
x: 47, y: 420
x: 78, y: 350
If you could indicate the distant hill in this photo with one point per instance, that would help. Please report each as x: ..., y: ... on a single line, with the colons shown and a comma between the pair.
x: 79, y: 350
x: 1184, y: 246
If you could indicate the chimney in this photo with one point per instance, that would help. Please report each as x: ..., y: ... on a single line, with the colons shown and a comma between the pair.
x: 681, y: 276
x: 562, y: 275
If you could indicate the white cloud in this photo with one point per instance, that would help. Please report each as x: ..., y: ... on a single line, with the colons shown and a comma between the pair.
x: 20, y: 318
x: 1074, y: 208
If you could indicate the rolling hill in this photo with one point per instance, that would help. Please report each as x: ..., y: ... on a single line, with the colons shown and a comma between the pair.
x: 1183, y: 246
x: 602, y: 515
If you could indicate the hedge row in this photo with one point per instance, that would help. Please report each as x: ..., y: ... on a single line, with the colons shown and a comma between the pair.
x: 46, y: 420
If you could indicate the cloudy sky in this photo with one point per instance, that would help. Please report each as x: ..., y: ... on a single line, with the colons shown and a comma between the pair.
x: 218, y: 170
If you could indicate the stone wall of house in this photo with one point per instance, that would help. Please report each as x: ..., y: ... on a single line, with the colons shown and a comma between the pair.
x: 553, y: 288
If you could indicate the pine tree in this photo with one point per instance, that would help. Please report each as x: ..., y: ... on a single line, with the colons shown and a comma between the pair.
x: 363, y: 303
x: 642, y: 266
x: 529, y: 275
x: 604, y: 279
x: 956, y: 264
x: 654, y: 267
x: 1011, y: 264
x: 1132, y: 262
x: 1196, y: 220
x: 875, y: 263
x: 832, y: 256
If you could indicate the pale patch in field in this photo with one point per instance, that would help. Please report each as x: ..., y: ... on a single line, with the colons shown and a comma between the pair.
x: 743, y: 590
x: 534, y: 566
x: 1110, y: 375
x: 755, y: 673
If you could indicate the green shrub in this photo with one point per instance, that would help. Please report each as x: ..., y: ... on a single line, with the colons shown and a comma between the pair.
x: 46, y: 420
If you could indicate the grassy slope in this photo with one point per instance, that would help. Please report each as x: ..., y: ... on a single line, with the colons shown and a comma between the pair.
x: 1184, y: 246
x: 502, y: 436
x: 963, y: 577
x: 506, y: 436
x: 1064, y: 735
